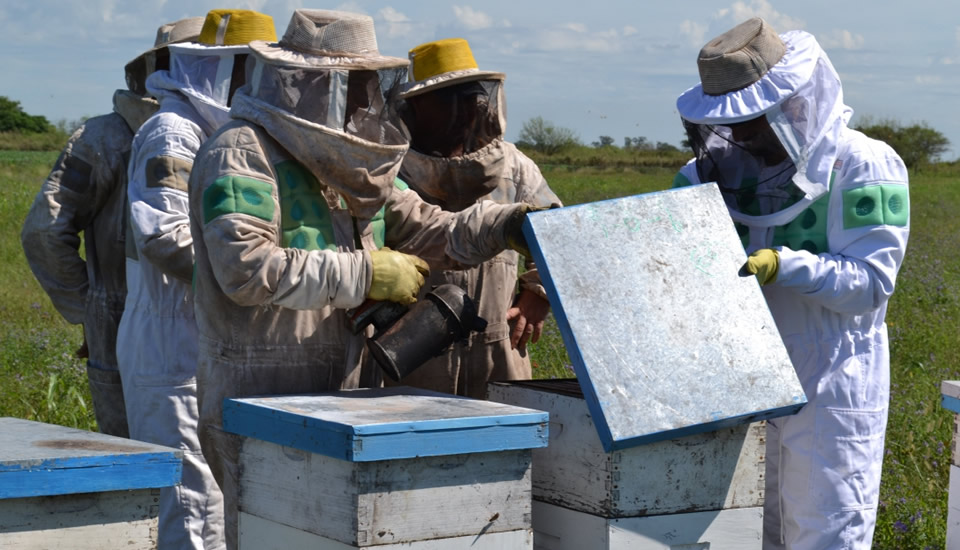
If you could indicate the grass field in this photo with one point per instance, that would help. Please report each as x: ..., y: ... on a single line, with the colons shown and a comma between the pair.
x: 42, y: 381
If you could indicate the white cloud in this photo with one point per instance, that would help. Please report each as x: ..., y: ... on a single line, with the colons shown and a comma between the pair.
x: 841, y: 38
x: 472, y: 19
x: 576, y: 37
x: 396, y: 24
x: 741, y: 11
x: 695, y: 32
x: 928, y: 80
x: 354, y: 7
x: 391, y: 15
x: 629, y: 31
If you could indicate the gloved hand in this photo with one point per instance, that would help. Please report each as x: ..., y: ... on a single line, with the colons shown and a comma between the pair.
x: 513, y: 228
x: 764, y: 263
x: 397, y: 277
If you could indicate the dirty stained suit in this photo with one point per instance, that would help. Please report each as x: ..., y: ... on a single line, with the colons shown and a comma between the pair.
x: 86, y: 192
x: 508, y: 176
x: 281, y: 257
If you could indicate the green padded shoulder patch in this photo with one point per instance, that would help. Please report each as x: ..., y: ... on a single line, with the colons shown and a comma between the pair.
x: 238, y: 195
x: 883, y: 204
x: 400, y: 184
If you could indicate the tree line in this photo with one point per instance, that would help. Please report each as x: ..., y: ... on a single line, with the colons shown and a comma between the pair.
x: 918, y: 144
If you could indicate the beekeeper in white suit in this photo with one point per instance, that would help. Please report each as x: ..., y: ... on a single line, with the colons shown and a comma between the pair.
x: 157, y: 338
x: 823, y: 212
x: 297, y: 217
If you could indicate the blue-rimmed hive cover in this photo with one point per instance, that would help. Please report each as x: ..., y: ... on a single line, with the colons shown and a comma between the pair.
x: 386, y: 423
x: 664, y: 336
x: 38, y: 459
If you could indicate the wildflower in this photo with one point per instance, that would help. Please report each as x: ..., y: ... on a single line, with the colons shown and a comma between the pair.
x: 900, y: 526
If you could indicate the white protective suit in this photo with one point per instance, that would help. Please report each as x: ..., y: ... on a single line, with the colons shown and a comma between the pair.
x: 86, y: 192
x: 841, y: 239
x: 157, y: 346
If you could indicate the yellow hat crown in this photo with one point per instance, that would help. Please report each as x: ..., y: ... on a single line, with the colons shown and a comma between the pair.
x: 439, y: 57
x: 236, y: 28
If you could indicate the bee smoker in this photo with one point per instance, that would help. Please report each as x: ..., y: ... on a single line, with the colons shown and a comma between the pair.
x: 406, y: 337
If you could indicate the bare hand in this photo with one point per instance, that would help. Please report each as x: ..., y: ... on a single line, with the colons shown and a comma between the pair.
x: 528, y: 314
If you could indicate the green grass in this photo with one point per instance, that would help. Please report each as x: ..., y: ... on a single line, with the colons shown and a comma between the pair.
x: 42, y: 380
x: 53, y: 140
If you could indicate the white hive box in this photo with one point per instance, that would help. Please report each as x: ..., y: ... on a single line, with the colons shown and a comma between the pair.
x: 67, y: 488
x: 660, y: 442
x: 699, y: 489
x: 950, y: 391
x: 386, y: 468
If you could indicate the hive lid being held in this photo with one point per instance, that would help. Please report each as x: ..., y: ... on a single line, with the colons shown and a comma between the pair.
x: 664, y: 336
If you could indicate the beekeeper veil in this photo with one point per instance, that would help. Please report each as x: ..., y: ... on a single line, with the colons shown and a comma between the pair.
x: 326, y: 95
x: 765, y: 120
x: 157, y: 58
x: 456, y: 116
x: 210, y: 70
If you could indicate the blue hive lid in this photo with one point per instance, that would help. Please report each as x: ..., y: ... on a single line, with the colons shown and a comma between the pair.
x: 385, y: 423
x: 665, y: 338
x: 38, y: 459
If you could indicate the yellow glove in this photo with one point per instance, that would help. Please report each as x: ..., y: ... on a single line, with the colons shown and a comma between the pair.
x: 764, y: 263
x: 397, y: 277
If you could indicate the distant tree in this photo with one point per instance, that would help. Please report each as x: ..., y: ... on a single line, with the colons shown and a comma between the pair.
x: 637, y: 144
x: 917, y: 145
x: 13, y: 119
x: 605, y: 141
x: 664, y: 147
x: 543, y: 136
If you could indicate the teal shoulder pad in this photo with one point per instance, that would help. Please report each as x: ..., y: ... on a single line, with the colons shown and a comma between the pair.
x: 882, y: 204
x: 238, y: 195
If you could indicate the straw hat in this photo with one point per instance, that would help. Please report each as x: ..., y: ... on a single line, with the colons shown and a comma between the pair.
x: 739, y: 57
x: 236, y: 28
x: 443, y: 63
x: 325, y: 38
x: 184, y: 30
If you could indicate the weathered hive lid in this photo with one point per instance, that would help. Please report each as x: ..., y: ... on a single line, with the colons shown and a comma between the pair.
x: 386, y: 423
x: 950, y: 392
x: 664, y: 336
x: 38, y: 459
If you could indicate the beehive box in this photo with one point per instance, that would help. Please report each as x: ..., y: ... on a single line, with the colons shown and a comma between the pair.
x: 950, y: 391
x: 389, y: 467
x: 702, y: 472
x: 67, y: 488
x: 704, y: 488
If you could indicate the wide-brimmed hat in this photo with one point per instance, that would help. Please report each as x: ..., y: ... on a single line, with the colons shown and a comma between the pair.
x: 443, y: 63
x: 327, y: 39
x: 184, y: 30
x: 739, y: 57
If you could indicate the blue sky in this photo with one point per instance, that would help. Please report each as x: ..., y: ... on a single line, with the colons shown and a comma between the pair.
x: 599, y: 68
